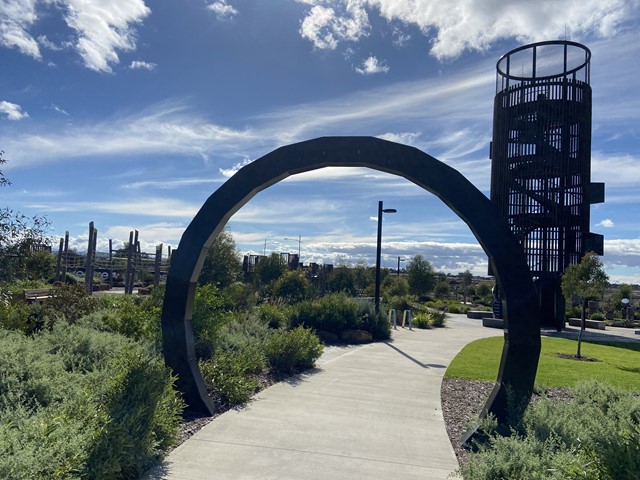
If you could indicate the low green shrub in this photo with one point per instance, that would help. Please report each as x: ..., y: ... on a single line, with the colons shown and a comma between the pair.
x: 422, y: 320
x: 332, y: 313
x: 275, y: 315
x: 438, y: 319
x: 596, y: 435
x: 231, y: 374
x: 133, y: 316
x: 78, y: 403
x: 375, y: 323
x: 293, y: 351
x: 597, y: 316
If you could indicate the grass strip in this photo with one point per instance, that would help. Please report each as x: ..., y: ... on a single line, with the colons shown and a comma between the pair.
x: 617, y: 363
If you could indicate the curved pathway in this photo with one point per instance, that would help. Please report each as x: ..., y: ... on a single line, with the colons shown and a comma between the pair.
x: 370, y: 412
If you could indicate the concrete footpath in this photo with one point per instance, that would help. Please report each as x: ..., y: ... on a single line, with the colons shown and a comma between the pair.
x: 369, y: 412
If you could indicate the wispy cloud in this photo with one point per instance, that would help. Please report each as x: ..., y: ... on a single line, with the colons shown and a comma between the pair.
x: 140, y: 65
x: 12, y: 111
x: 371, y: 66
x: 223, y: 10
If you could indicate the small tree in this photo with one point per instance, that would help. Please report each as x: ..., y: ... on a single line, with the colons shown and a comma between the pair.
x: 421, y: 275
x: 466, y: 278
x: 341, y: 279
x: 586, y: 280
x: 221, y: 265
x: 269, y: 269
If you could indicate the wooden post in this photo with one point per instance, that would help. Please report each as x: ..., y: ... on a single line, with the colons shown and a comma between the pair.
x: 88, y: 275
x: 111, y: 263
x: 129, y: 273
x: 158, y: 265
x: 65, y: 257
x: 59, y: 261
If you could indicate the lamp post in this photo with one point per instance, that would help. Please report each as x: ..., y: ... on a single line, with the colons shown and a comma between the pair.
x: 398, y: 271
x: 378, y: 251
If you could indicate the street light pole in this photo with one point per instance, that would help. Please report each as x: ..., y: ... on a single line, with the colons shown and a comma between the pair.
x: 378, y: 252
x: 398, y: 271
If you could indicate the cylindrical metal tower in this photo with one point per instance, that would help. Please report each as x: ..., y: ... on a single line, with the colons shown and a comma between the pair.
x: 541, y: 160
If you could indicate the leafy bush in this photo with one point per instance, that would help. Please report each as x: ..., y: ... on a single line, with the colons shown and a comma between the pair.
x: 291, y: 286
x: 597, y: 316
x: 77, y: 403
x: 293, y: 351
x: 332, y: 313
x: 229, y: 373
x: 422, y: 320
x: 375, y: 323
x: 573, y: 312
x: 209, y: 315
x: 596, y: 435
x: 438, y: 319
x: 274, y: 315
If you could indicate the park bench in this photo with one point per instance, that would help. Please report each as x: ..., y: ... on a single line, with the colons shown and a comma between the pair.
x: 597, y: 324
x: 36, y: 295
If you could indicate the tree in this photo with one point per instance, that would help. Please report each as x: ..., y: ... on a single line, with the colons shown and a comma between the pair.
x: 222, y: 264
x: 421, y: 275
x: 269, y: 269
x: 394, y: 286
x: 291, y: 287
x: 20, y: 237
x: 442, y: 289
x: 466, y: 278
x: 586, y: 280
x: 342, y: 279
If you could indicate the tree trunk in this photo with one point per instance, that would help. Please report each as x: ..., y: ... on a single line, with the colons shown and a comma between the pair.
x: 582, y: 322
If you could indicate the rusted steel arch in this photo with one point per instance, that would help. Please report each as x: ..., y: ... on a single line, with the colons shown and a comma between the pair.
x: 521, y: 335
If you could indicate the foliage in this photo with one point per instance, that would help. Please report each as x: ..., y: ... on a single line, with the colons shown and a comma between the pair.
x: 293, y: 351
x: 331, y: 313
x: 442, y: 289
x: 342, y: 279
x: 597, y: 316
x: 421, y: 275
x: 617, y: 363
x: 208, y: 316
x: 229, y: 374
x: 221, y: 265
x: 422, y: 320
x: 438, y: 319
x: 364, y: 276
x: 375, y: 323
x: 275, y: 315
x: 291, y: 286
x: 78, y: 403
x: 596, y: 435
x: 394, y: 286
x: 239, y: 296
x: 269, y: 269
x: 135, y: 317
x: 587, y: 280
x: 466, y: 279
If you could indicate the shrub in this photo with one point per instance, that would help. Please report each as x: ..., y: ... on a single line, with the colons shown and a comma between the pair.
x: 422, y: 320
x: 438, y: 319
x: 132, y: 316
x: 375, y: 323
x: 595, y: 435
x: 77, y: 403
x: 293, y: 351
x: 291, y: 286
x: 597, y: 316
x: 229, y: 373
x: 274, y: 315
x: 332, y: 313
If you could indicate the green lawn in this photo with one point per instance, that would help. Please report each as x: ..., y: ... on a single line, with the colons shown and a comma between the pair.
x: 619, y: 363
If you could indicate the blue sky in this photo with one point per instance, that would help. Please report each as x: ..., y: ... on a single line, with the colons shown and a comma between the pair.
x: 130, y: 113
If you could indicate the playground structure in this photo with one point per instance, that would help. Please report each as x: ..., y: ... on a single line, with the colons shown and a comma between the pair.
x: 127, y: 267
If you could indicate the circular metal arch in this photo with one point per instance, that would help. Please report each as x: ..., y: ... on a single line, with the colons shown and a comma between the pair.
x: 521, y: 349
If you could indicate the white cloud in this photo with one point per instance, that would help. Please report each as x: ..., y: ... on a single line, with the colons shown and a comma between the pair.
x: 140, y: 65
x: 223, y: 10
x: 325, y: 28
x: 102, y: 28
x: 606, y: 223
x: 12, y: 111
x: 458, y: 25
x: 59, y: 109
x: 16, y: 18
x: 372, y: 65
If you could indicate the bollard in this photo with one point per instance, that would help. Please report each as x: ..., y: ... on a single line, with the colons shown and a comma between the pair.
x: 393, y: 319
x: 406, y: 317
